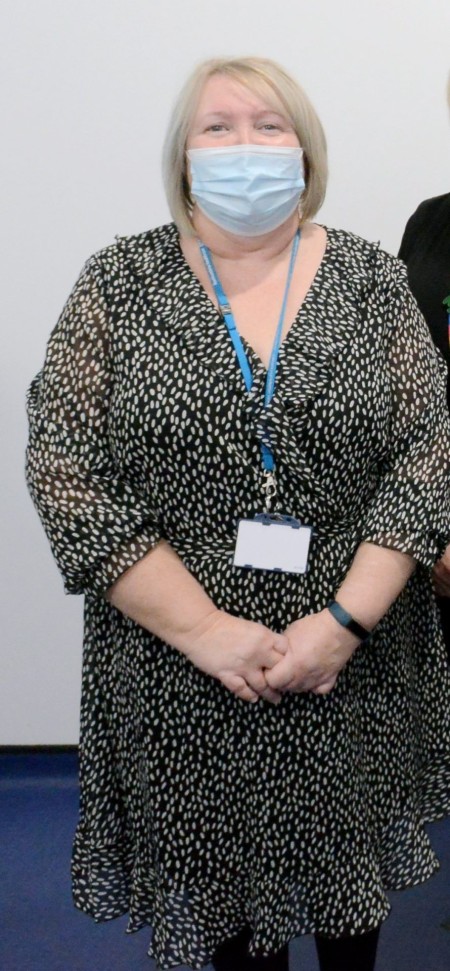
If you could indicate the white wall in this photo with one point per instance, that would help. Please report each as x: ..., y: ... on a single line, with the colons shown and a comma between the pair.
x: 86, y: 96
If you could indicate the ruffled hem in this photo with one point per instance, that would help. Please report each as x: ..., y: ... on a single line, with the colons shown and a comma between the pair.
x: 189, y: 924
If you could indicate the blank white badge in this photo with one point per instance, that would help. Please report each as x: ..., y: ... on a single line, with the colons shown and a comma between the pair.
x: 273, y: 543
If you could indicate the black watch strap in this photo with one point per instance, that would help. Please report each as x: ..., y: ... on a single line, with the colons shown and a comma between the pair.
x: 346, y: 620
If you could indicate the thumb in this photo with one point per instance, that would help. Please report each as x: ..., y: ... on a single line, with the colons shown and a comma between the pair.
x: 280, y: 676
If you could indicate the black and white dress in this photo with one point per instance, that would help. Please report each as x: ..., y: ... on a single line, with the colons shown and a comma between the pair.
x: 201, y: 813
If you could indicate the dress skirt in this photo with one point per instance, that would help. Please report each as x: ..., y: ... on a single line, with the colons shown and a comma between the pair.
x: 201, y: 813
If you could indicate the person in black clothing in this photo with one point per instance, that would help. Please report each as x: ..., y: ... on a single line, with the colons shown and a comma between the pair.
x: 425, y: 248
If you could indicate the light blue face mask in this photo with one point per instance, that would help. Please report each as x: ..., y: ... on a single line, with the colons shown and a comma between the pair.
x: 247, y: 189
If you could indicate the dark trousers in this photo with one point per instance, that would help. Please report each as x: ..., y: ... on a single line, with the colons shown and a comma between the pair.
x: 344, y: 954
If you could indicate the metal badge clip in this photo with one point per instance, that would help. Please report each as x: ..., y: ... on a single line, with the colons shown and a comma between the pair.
x: 270, y: 490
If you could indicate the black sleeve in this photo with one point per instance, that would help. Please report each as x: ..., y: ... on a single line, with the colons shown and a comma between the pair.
x: 412, y: 228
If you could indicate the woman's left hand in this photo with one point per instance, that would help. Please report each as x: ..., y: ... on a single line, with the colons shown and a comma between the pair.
x: 441, y: 575
x: 318, y: 649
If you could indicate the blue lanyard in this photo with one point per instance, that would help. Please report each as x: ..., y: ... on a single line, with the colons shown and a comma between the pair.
x: 227, y: 314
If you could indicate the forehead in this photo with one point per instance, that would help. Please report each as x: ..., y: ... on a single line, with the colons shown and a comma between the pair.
x: 220, y: 93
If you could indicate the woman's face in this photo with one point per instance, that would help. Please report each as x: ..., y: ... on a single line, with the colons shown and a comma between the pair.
x: 230, y: 114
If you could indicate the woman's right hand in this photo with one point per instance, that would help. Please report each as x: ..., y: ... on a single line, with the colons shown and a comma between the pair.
x: 236, y: 652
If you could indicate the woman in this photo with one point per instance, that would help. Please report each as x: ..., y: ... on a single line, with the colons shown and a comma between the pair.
x: 425, y: 248
x: 255, y: 764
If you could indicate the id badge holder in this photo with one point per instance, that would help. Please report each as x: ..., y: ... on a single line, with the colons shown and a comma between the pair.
x: 273, y: 542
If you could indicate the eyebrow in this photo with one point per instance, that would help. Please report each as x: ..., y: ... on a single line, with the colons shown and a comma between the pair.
x: 257, y: 114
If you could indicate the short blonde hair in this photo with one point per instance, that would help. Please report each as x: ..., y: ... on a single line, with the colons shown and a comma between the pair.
x: 270, y: 81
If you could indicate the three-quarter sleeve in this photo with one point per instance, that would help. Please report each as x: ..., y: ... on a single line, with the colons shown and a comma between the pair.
x: 410, y: 510
x: 97, y: 522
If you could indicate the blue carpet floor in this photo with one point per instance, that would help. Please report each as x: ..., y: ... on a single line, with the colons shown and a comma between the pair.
x: 40, y: 930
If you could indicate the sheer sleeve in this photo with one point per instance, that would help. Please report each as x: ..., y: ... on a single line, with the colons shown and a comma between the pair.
x: 410, y: 510
x: 97, y: 523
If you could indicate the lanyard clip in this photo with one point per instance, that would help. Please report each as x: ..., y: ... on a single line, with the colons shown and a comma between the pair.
x: 270, y: 489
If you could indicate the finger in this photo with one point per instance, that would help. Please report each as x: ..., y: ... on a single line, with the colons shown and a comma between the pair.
x: 279, y: 677
x: 309, y: 682
x: 246, y: 694
x: 240, y: 688
x: 325, y: 687
x: 274, y: 657
x: 269, y: 694
x: 256, y: 680
x: 274, y: 697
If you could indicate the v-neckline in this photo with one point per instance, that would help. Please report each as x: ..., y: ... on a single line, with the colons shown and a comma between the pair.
x: 211, y: 306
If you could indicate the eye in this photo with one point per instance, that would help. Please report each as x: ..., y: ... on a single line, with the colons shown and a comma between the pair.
x: 270, y: 126
x: 217, y: 127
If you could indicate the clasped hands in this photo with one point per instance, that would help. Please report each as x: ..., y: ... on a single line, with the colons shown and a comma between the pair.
x: 253, y: 662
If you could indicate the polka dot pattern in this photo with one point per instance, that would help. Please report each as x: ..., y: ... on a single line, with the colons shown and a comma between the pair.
x: 201, y: 813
